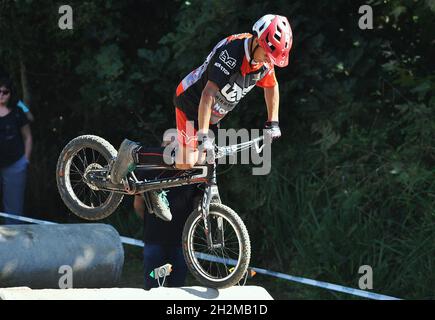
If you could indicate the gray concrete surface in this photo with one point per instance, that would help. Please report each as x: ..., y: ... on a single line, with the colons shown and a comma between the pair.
x: 246, y: 293
x: 41, y: 256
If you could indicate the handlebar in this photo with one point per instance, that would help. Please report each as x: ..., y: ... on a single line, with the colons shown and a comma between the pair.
x: 221, y: 152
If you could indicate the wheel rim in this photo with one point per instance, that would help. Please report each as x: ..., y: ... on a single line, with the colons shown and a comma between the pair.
x: 80, y: 163
x: 232, y: 251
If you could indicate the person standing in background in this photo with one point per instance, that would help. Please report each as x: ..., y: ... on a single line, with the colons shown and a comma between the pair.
x: 15, y: 150
x: 163, y: 239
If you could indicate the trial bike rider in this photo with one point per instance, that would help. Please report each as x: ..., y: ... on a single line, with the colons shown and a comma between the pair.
x: 206, y: 95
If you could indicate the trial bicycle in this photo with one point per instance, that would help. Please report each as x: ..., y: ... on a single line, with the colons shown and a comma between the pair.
x: 215, y: 241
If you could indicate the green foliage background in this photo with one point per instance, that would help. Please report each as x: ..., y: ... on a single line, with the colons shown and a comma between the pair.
x: 352, y: 181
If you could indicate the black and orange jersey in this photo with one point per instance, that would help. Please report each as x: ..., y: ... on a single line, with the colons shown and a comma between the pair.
x: 228, y: 66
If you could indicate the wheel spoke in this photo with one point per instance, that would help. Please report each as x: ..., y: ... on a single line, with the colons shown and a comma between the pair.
x: 81, y: 191
x: 81, y: 160
x: 85, y: 158
x: 93, y: 155
x: 77, y: 169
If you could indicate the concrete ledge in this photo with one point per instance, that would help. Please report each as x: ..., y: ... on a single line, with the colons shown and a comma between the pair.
x: 246, y: 293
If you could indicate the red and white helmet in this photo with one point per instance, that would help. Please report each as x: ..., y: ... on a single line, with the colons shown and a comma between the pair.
x: 275, y: 37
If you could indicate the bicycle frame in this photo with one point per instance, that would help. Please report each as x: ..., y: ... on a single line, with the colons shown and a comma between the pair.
x: 201, y: 174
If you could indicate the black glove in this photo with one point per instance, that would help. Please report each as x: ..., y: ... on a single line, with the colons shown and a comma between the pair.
x: 272, y: 130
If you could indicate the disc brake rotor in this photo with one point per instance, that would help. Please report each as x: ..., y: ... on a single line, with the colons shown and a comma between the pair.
x: 92, y: 166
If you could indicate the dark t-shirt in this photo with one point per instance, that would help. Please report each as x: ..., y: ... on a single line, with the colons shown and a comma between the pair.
x: 181, y: 201
x: 11, y: 140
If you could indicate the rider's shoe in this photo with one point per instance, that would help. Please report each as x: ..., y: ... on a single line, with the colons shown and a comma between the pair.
x: 124, y: 162
x: 160, y: 204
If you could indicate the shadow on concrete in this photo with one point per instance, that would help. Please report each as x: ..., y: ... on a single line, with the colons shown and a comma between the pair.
x: 209, y: 293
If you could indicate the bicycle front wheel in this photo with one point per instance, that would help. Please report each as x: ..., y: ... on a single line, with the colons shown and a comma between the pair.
x: 223, y: 264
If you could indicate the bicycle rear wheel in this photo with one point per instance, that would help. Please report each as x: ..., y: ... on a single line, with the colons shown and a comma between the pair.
x: 80, y: 156
x: 225, y: 264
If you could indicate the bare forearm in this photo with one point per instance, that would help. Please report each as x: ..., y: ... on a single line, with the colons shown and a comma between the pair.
x: 205, y: 105
x: 271, y: 96
x: 204, y: 112
x: 28, y: 143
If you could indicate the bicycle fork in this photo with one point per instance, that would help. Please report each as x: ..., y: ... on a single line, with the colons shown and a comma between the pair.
x: 211, y: 192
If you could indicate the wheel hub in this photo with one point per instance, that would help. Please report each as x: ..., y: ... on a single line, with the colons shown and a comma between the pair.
x: 89, y: 169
